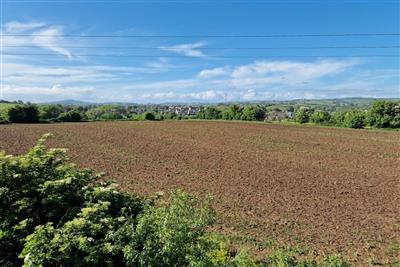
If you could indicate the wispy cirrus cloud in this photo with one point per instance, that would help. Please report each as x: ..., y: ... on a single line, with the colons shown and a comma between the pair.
x: 20, y: 27
x: 215, y: 72
x: 24, y: 73
x: 52, y: 92
x: 36, y: 34
x: 190, y: 50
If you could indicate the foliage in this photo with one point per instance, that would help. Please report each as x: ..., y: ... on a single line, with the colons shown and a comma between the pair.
x: 70, y: 116
x: 303, y: 114
x: 342, y: 113
x: 98, y: 236
x: 209, y: 113
x: 232, y: 112
x: 50, y: 112
x: 287, y: 258
x: 253, y: 113
x: 169, y: 116
x: 36, y: 188
x: 23, y: 114
x: 106, y: 112
x: 320, y: 117
x: 338, y: 118
x: 149, y: 116
x: 354, y: 119
x: 384, y: 114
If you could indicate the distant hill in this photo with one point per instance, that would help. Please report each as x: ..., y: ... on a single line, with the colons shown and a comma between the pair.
x: 70, y: 102
x: 349, y: 100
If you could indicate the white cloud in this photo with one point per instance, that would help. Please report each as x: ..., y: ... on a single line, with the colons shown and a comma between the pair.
x: 211, y: 73
x: 19, y: 27
x: 209, y: 95
x: 55, y: 91
x: 190, y: 50
x: 249, y: 94
x: 304, y: 70
x: 262, y: 73
x: 50, y: 39
x: 19, y: 73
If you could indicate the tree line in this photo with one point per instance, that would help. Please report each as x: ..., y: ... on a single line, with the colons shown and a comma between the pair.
x: 382, y: 114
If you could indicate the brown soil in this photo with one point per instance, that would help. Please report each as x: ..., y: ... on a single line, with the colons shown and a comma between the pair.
x: 322, y: 190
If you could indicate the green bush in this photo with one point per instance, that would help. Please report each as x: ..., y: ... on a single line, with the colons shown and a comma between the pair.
x: 253, y: 113
x: 70, y: 116
x: 354, y: 119
x: 320, y: 117
x: 35, y: 189
x: 23, y: 114
x: 302, y: 115
x: 209, y: 113
x: 50, y: 112
x: 149, y: 116
x: 233, y: 112
x: 338, y: 118
x: 106, y: 112
x: 384, y: 114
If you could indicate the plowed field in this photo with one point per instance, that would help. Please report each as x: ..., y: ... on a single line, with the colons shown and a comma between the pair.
x: 321, y: 190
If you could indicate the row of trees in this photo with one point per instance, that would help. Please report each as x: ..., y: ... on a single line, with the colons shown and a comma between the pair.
x: 234, y: 112
x: 382, y: 114
x: 55, y: 214
x: 28, y: 113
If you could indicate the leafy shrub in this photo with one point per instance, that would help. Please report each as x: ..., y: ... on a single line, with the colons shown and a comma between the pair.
x: 384, y: 114
x: 97, y: 236
x: 320, y: 117
x: 3, y: 120
x: 302, y: 115
x: 70, y: 116
x: 23, y: 114
x: 338, y: 118
x: 209, y: 113
x: 111, y: 116
x: 354, y: 119
x: 106, y: 112
x: 253, y: 113
x: 149, y: 116
x: 35, y: 189
x: 233, y: 112
x: 50, y: 112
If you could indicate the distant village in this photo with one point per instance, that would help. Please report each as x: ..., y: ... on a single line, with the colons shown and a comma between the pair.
x: 179, y: 109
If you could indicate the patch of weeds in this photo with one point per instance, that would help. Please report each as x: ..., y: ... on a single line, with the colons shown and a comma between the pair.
x: 393, y: 249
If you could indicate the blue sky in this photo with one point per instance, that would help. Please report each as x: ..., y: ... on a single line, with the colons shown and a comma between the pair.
x: 183, y: 69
